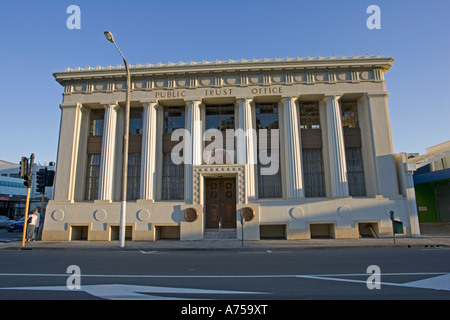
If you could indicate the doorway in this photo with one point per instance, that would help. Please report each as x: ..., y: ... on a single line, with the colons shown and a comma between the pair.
x: 220, y: 203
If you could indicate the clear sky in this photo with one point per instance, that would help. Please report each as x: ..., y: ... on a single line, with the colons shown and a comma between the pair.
x: 35, y: 42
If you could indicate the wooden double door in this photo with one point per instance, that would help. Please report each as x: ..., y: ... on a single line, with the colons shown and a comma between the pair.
x: 220, y: 202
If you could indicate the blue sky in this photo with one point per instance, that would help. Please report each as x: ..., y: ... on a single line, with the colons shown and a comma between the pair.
x: 35, y: 42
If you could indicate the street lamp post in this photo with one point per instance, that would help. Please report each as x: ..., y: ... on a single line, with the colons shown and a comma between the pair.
x: 123, y: 204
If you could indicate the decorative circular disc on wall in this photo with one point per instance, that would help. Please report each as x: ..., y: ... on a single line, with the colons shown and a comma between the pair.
x: 344, y: 212
x: 248, y: 214
x: 191, y: 214
x: 100, y: 215
x: 297, y: 213
x: 143, y: 215
x: 58, y: 215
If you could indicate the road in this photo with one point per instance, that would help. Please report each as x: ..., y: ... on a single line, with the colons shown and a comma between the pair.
x: 313, y: 274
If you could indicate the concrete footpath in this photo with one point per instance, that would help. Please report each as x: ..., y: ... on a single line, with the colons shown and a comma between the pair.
x: 433, y: 236
x: 146, y: 246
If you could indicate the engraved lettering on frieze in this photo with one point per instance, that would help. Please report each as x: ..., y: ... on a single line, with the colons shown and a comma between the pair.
x: 171, y: 94
x: 218, y: 92
x: 267, y: 90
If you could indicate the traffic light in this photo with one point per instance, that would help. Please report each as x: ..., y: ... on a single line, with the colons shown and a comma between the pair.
x: 23, y: 167
x: 41, y: 176
x: 27, y: 181
x: 49, y: 178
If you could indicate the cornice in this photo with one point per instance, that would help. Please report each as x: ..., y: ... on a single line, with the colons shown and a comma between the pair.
x: 227, y: 66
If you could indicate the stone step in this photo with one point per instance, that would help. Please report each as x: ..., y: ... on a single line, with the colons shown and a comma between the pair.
x: 220, y: 234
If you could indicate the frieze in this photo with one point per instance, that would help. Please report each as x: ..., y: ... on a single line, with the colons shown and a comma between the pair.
x: 227, y: 74
x: 222, y: 86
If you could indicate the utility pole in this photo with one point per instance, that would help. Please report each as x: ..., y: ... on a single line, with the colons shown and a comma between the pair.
x: 123, y: 204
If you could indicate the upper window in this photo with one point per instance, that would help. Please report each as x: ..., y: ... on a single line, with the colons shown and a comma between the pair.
x: 136, y: 115
x: 173, y: 119
x: 266, y: 116
x: 349, y: 112
x: 309, y: 115
x: 97, y: 120
x: 220, y: 117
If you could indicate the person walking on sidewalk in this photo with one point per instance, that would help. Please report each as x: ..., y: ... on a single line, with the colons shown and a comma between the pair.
x: 31, y: 225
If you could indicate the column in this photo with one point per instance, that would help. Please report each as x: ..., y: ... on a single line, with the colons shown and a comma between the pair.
x: 193, y: 145
x: 380, y: 141
x: 148, y: 168
x: 336, y: 148
x: 67, y: 151
x: 107, y: 157
x: 294, y: 173
x: 246, y: 144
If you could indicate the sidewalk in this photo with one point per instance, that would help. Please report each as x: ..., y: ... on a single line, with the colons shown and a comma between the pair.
x: 434, y: 235
x: 148, y: 246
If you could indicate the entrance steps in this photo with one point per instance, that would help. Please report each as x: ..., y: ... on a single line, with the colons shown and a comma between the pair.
x: 220, y: 234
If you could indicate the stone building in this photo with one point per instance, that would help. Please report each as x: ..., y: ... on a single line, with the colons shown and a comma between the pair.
x: 302, y: 147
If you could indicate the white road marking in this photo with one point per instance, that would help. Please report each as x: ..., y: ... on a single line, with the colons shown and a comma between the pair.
x: 436, y: 283
x: 441, y: 282
x: 133, y: 292
x: 434, y: 280
x: 148, y: 252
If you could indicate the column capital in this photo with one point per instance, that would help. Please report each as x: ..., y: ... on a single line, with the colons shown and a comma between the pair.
x: 285, y: 99
x: 148, y: 102
x: 383, y: 94
x: 107, y: 104
x: 330, y: 97
x: 154, y: 104
x: 192, y: 102
x: 243, y: 99
x: 70, y: 105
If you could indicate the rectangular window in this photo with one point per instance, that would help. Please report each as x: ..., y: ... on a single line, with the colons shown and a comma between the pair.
x: 313, y: 174
x: 349, y: 112
x: 312, y: 158
x: 269, y: 186
x: 173, y: 119
x: 172, y: 174
x: 355, y: 172
x: 352, y: 142
x: 136, y: 116
x: 97, y: 120
x: 309, y: 115
x: 92, y: 177
x: 220, y: 117
x: 134, y: 176
x: 172, y: 179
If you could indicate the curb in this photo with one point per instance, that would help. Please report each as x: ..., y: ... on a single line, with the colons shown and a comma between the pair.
x: 235, y: 245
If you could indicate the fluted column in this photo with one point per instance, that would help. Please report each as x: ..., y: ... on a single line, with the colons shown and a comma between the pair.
x: 107, y: 156
x: 148, y: 151
x: 67, y: 151
x: 336, y: 148
x: 294, y: 173
x: 193, y: 145
x: 246, y: 148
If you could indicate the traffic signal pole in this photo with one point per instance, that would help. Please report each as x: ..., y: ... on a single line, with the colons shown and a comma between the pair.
x: 27, y: 204
x: 24, y: 232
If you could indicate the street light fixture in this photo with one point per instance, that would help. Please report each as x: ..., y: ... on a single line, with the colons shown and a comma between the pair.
x: 123, y: 204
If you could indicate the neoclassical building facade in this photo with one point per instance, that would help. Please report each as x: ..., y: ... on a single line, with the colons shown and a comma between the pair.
x: 300, y: 147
